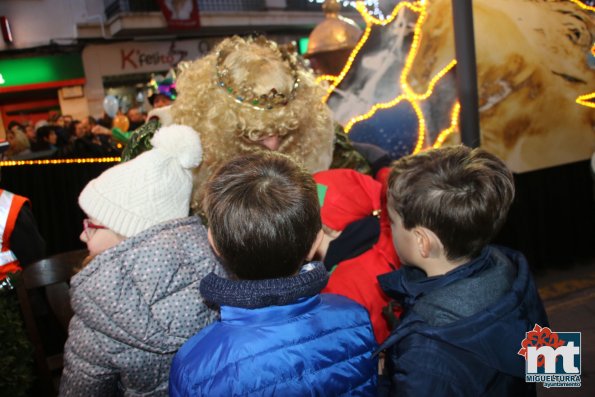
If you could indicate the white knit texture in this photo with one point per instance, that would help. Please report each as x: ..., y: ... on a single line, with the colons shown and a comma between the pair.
x: 152, y: 188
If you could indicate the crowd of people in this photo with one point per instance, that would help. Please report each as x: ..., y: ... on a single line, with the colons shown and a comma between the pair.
x: 241, y: 249
x: 61, y: 136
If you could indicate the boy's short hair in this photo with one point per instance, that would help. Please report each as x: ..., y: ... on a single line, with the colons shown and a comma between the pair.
x: 264, y: 215
x: 461, y: 194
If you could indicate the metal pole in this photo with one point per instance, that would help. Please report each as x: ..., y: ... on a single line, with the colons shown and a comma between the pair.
x: 466, y: 72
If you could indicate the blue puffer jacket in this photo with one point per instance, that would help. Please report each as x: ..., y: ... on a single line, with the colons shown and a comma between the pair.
x: 278, y: 337
x: 460, y: 333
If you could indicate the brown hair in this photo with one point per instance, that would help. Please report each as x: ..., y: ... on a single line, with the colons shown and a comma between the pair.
x: 263, y: 214
x: 461, y: 194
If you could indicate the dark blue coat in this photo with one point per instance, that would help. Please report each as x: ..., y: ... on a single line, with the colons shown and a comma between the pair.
x: 460, y: 333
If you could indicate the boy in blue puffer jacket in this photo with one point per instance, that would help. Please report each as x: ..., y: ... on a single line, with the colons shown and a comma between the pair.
x: 467, y: 305
x: 277, y: 335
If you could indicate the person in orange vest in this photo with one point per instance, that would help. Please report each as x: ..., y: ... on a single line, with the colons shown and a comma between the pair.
x: 20, y: 242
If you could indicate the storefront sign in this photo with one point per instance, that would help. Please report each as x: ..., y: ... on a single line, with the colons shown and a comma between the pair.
x: 135, y: 58
x: 40, y: 72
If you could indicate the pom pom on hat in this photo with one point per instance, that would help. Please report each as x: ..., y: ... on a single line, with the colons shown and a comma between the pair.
x: 150, y: 189
x: 350, y: 196
x: 181, y: 142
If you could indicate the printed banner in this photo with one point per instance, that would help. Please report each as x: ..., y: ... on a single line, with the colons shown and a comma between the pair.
x: 535, y: 75
x: 180, y: 14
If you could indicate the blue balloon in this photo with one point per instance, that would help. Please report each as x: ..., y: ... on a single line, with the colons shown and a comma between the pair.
x: 124, y: 104
x: 110, y: 105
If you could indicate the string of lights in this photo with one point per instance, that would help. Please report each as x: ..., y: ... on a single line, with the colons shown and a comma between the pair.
x: 372, y: 5
x: 583, y: 5
x: 454, y: 119
x: 326, y: 77
x: 408, y: 94
x: 588, y: 100
x: 12, y: 163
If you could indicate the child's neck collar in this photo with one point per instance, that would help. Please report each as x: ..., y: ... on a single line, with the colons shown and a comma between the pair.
x: 439, y: 266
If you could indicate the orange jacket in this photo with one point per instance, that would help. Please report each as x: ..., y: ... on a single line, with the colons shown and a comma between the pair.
x: 10, y: 206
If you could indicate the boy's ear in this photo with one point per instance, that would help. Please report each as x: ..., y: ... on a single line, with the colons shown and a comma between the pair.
x: 428, y: 243
x: 212, y: 242
x: 315, y: 245
x: 422, y: 242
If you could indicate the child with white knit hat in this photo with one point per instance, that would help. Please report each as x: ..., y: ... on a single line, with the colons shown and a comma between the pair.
x: 143, y: 192
x: 137, y: 300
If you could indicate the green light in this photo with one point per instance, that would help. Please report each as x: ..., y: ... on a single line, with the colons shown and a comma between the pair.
x: 23, y: 71
x: 303, y: 45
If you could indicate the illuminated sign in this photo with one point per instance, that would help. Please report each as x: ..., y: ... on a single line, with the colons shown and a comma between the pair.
x: 39, y: 70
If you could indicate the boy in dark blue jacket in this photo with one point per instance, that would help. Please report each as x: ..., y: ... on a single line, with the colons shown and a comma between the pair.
x: 277, y: 335
x: 467, y: 305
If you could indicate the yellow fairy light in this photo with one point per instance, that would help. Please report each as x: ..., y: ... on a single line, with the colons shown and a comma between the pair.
x: 12, y: 163
x: 373, y: 110
x: 370, y: 22
x: 583, y: 5
x: 586, y: 100
x: 369, y: 18
x: 454, y: 119
x: 433, y: 82
x: 326, y: 77
x: 408, y: 93
x: 421, y: 134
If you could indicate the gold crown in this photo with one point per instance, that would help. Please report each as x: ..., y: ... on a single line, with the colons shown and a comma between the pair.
x: 244, y: 94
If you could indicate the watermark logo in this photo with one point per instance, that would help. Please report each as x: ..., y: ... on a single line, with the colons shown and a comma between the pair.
x: 553, y: 358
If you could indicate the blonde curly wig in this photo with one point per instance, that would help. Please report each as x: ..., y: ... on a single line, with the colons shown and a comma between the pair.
x: 228, y: 128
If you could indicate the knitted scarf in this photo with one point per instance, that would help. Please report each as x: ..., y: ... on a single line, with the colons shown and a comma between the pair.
x: 251, y: 294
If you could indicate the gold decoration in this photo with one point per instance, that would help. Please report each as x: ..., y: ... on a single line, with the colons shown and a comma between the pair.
x: 334, y: 33
x: 243, y: 93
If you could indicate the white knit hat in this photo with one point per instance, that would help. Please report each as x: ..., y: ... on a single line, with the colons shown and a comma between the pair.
x: 152, y: 188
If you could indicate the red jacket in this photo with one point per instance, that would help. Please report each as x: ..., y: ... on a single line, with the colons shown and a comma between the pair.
x: 356, y: 278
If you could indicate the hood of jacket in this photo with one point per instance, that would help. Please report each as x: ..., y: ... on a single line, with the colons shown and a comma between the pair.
x: 145, y: 291
x: 485, y: 307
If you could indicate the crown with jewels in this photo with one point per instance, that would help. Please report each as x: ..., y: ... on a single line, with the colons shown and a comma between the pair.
x: 244, y: 94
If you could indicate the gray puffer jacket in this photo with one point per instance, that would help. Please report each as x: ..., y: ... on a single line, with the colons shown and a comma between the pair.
x: 134, y: 306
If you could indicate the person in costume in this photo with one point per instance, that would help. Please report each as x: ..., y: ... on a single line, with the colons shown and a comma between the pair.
x: 162, y: 92
x: 357, y: 242
x: 249, y: 95
x: 137, y: 300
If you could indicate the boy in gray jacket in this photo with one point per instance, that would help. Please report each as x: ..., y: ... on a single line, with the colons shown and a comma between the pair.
x: 137, y: 301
